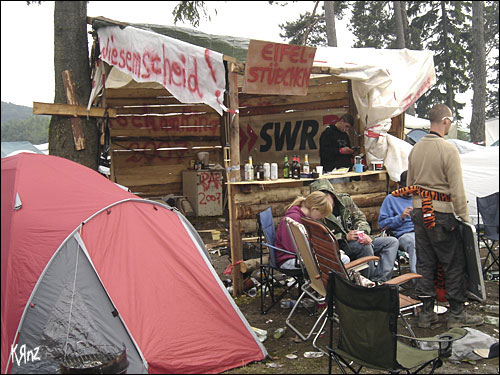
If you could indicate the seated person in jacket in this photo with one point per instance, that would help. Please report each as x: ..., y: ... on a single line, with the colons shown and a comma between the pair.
x: 395, y: 215
x: 315, y: 206
x: 345, y: 221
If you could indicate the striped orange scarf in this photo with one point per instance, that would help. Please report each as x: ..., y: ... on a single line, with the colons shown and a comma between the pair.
x: 427, y: 197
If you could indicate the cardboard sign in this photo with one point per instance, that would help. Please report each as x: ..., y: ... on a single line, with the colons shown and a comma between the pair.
x: 275, y: 68
x: 268, y: 138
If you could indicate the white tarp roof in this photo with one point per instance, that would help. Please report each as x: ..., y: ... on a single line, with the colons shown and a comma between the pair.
x: 491, y: 131
x: 384, y: 82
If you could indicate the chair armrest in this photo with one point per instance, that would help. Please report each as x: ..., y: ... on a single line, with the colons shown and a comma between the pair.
x: 444, y: 340
x: 360, y: 261
x: 403, y: 278
x: 278, y: 248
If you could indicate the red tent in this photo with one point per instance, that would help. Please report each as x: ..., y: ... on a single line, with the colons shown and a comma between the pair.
x: 90, y: 268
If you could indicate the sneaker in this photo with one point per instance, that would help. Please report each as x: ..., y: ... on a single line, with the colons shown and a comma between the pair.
x: 426, y: 319
x: 464, y: 320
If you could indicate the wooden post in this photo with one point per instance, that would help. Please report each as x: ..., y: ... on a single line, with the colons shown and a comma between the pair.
x: 234, y: 176
x: 72, y: 99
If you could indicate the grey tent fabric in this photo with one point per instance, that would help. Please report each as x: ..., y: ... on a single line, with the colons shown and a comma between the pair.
x: 70, y: 308
x: 10, y: 147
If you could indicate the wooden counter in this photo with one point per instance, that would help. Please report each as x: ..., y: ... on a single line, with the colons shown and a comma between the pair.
x: 247, y: 198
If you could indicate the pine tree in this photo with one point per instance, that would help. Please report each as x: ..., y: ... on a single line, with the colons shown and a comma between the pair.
x: 492, y: 47
x: 444, y: 29
x: 372, y: 24
x: 294, y: 31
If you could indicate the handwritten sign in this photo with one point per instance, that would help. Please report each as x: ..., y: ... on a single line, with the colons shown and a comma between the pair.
x: 190, y: 73
x: 275, y: 68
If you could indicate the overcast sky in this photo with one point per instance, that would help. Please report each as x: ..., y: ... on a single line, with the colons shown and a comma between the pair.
x: 27, y: 35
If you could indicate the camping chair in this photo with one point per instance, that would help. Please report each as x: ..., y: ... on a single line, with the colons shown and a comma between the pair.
x: 266, y: 232
x: 367, y: 331
x: 487, y: 231
x: 314, y: 285
x: 322, y: 241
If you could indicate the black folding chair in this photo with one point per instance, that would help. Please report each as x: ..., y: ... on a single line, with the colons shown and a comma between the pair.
x: 367, y: 331
x: 267, y: 233
x: 487, y: 227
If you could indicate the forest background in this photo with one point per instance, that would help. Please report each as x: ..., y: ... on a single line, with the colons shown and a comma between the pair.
x: 462, y: 34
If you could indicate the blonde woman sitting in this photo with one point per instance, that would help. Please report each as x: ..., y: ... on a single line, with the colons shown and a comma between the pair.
x: 316, y: 206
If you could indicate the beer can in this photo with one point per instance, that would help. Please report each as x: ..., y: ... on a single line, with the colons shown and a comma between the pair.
x: 274, y: 171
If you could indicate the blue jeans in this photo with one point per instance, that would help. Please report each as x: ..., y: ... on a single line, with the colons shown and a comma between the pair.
x: 407, y: 244
x: 384, y: 247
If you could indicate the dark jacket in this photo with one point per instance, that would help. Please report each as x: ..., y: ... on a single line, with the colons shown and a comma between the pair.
x: 330, y: 142
x: 346, y: 215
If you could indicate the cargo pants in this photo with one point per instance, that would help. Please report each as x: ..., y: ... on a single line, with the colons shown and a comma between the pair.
x: 442, y: 244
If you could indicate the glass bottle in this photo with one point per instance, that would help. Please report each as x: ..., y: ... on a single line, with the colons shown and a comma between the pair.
x: 259, y: 174
x: 286, y: 168
x: 296, y: 169
x: 305, y: 169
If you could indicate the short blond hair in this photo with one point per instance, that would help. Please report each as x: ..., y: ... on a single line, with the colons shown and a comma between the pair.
x: 317, y: 200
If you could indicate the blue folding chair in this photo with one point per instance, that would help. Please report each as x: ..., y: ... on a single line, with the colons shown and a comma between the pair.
x: 268, y: 285
x: 487, y: 230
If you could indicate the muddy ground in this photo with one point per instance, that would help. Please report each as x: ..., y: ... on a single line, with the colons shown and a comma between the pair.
x: 290, y: 344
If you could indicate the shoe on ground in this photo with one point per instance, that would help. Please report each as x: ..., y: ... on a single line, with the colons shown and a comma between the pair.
x: 426, y: 319
x: 464, y: 319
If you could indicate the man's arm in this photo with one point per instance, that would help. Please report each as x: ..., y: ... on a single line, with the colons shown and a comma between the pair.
x: 456, y: 183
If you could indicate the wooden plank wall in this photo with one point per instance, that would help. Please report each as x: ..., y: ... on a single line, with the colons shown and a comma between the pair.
x: 368, y: 194
x: 273, y: 125
x: 155, y: 137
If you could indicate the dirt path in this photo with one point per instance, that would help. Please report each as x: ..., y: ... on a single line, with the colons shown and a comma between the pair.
x: 289, y: 345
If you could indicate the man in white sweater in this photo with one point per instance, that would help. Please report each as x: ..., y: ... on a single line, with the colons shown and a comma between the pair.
x: 434, y: 168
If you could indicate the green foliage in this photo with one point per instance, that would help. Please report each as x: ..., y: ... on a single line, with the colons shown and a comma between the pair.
x: 293, y: 31
x: 372, y: 24
x: 446, y: 30
x: 34, y: 129
x: 190, y: 11
x: 491, y: 39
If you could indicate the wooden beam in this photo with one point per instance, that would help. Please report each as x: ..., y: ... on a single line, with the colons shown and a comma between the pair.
x: 234, y: 176
x: 72, y: 99
x: 57, y: 109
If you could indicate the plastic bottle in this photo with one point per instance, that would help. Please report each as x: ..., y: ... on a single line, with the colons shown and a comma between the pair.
x: 287, y: 303
x: 250, y: 169
x: 279, y: 332
x: 305, y: 168
x: 490, y: 308
x: 274, y: 171
x: 286, y: 168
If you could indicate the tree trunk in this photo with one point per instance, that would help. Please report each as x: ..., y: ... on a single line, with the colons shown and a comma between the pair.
x: 398, y: 18
x: 479, y: 73
x: 331, y: 33
x: 402, y: 35
x: 446, y: 50
x: 71, y: 52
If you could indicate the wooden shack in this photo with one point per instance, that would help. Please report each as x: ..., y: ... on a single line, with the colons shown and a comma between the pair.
x: 154, y: 137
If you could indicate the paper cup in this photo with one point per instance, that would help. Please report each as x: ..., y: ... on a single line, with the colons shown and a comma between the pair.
x: 319, y: 169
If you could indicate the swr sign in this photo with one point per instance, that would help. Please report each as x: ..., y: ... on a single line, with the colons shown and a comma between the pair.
x: 275, y: 68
